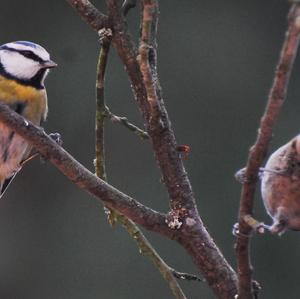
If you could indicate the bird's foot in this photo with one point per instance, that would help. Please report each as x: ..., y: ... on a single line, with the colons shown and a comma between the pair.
x: 241, y: 177
x: 274, y: 171
x: 258, y: 227
x: 278, y: 227
x: 57, y: 138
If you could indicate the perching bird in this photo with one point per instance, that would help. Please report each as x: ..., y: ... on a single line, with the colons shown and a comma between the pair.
x: 280, y: 187
x: 23, y: 69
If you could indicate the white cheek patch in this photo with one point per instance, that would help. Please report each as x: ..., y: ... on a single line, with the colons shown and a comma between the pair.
x: 18, y: 66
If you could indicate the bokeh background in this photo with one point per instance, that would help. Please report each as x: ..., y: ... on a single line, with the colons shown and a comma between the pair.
x: 216, y: 64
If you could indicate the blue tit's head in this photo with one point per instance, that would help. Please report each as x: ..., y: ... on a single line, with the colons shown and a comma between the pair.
x: 25, y: 62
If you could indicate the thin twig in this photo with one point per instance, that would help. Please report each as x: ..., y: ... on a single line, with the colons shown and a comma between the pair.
x: 258, y: 151
x: 113, y: 216
x: 127, y: 124
x: 147, y: 48
x: 105, y: 38
x: 147, y: 249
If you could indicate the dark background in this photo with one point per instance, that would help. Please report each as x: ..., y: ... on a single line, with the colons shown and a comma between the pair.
x: 216, y: 64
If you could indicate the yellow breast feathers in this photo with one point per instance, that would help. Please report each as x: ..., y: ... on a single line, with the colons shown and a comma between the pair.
x: 34, y: 100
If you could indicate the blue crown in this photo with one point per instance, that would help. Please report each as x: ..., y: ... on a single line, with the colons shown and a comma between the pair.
x: 25, y: 43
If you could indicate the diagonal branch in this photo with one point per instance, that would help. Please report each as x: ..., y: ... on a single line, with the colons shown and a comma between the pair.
x: 82, y: 177
x: 89, y: 13
x: 127, y: 124
x: 258, y: 151
x: 146, y: 248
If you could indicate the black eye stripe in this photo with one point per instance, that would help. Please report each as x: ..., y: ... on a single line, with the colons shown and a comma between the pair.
x: 30, y: 55
x: 26, y: 53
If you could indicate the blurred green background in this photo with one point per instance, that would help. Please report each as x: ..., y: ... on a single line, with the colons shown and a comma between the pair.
x: 216, y: 64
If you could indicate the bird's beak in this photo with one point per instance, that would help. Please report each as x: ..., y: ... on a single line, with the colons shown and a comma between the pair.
x: 49, y: 64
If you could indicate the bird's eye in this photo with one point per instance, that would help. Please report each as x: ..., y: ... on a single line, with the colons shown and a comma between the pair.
x: 28, y: 54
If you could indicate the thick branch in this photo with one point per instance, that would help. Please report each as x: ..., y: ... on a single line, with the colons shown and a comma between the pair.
x: 258, y: 151
x: 193, y: 235
x: 82, y: 177
x: 89, y: 13
x: 132, y: 229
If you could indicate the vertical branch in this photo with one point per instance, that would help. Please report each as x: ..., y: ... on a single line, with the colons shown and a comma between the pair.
x: 105, y: 37
x: 184, y: 217
x: 147, y: 52
x: 131, y: 227
x: 183, y: 214
x: 258, y: 151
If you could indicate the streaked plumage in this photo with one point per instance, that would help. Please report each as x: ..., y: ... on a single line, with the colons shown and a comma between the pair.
x: 23, y: 68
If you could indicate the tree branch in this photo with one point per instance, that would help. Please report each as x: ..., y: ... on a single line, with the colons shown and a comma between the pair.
x: 192, y: 234
x: 100, y: 106
x: 90, y: 14
x: 82, y: 177
x: 127, y: 124
x: 185, y: 276
x: 146, y: 248
x: 132, y: 229
x: 258, y: 151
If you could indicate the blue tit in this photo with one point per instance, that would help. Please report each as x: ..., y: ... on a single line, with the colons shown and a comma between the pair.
x: 23, y: 69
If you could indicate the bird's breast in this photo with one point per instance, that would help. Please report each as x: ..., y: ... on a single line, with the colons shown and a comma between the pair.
x: 29, y: 102
x: 34, y: 100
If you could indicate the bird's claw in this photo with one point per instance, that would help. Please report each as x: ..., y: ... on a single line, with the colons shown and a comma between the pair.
x: 241, y: 177
x: 236, y: 231
x: 57, y: 138
x: 258, y: 227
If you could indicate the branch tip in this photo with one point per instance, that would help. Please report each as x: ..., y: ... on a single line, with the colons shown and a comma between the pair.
x: 125, y: 122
